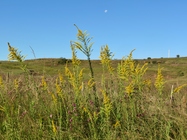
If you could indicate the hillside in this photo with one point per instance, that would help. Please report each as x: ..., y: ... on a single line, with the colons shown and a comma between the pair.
x: 174, y: 69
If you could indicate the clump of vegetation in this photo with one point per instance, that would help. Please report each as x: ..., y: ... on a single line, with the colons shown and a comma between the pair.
x: 122, y: 104
x: 180, y: 73
x: 62, y: 61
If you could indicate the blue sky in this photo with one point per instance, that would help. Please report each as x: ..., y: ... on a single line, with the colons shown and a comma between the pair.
x: 152, y: 27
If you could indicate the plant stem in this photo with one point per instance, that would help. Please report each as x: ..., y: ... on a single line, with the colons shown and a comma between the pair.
x: 92, y: 73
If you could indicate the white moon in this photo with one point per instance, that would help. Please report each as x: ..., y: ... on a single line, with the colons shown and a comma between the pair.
x: 106, y: 11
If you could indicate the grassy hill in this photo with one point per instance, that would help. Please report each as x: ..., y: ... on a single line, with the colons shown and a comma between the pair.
x: 174, y: 69
x: 51, y: 102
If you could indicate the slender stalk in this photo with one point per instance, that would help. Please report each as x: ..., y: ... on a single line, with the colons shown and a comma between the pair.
x: 92, y: 73
x: 84, y: 46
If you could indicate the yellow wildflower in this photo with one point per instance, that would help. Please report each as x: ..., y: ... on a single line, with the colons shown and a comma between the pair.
x: 1, y: 82
x: 58, y: 87
x: 85, y: 110
x: 159, y: 83
x: 14, y: 54
x: 16, y: 84
x: 144, y: 68
x: 107, y: 104
x: 91, y: 83
x: 68, y: 73
x: 177, y: 90
x: 131, y: 66
x: 81, y: 74
x: 43, y: 83
x: 126, y: 67
x: 53, y: 97
x: 106, y: 100
x: 75, y: 60
x: 147, y: 83
x: 117, y: 124
x: 106, y: 57
x: 81, y: 88
x: 54, y: 127
x: 130, y: 88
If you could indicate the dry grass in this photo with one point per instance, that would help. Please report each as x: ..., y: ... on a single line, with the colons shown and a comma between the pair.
x: 133, y: 100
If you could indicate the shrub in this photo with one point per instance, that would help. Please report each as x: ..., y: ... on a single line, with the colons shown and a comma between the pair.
x: 180, y: 73
x: 62, y: 61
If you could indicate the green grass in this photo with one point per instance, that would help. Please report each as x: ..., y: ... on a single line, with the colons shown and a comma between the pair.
x: 172, y: 67
x: 120, y: 99
x: 28, y: 112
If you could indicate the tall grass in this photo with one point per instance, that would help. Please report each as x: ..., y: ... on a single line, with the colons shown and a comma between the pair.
x: 63, y: 107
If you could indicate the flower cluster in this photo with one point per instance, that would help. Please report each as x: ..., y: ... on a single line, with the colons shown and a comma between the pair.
x: 14, y: 54
x: 159, y: 82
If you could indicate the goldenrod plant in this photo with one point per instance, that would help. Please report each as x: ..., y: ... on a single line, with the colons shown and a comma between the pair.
x: 132, y: 74
x: 75, y: 76
x: 176, y: 90
x: 16, y: 56
x: 159, y: 82
x: 106, y: 60
x: 84, y: 45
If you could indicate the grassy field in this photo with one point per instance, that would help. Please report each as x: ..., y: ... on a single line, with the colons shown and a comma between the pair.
x: 97, y: 99
x: 174, y: 69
